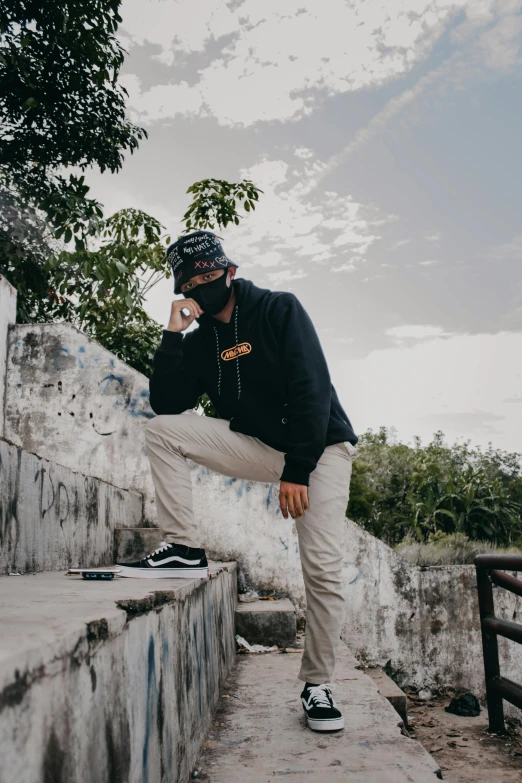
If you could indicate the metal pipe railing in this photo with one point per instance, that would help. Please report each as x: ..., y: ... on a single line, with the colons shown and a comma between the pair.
x: 490, y: 571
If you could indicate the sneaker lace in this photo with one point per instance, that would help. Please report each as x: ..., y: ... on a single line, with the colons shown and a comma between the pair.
x: 162, y: 547
x: 322, y: 695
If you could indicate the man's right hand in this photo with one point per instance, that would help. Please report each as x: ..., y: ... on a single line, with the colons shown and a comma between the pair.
x: 178, y: 321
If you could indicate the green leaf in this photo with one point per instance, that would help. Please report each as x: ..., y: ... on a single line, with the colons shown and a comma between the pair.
x: 30, y: 103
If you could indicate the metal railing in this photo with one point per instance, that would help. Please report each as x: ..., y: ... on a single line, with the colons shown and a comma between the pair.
x: 490, y: 571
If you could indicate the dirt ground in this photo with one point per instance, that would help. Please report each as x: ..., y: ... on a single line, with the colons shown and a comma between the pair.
x: 463, y: 747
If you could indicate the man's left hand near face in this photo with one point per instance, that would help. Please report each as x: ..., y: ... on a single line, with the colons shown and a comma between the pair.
x: 293, y: 499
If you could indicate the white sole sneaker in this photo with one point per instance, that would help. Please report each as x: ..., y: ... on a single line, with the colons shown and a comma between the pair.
x: 326, y: 725
x: 164, y: 573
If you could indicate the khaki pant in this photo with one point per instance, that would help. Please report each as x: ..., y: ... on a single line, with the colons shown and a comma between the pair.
x: 211, y: 443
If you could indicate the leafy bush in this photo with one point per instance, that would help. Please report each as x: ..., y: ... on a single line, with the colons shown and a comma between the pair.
x: 399, y: 490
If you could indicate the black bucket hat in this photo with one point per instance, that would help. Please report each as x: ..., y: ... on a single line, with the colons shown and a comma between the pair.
x: 193, y: 254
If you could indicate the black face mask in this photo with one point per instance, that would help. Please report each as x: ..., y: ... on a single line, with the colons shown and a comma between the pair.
x: 212, y: 297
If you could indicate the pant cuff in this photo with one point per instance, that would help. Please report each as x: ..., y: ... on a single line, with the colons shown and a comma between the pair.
x: 170, y: 538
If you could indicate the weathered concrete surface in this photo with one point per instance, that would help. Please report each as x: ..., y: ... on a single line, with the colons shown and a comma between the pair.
x: 131, y: 544
x: 7, y: 319
x: 52, y: 518
x: 260, y: 732
x: 391, y: 692
x: 91, y: 692
x: 70, y: 400
x: 267, y: 622
x: 424, y: 621
x: 73, y: 402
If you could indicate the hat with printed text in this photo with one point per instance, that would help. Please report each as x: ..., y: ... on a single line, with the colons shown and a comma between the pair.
x: 194, y: 254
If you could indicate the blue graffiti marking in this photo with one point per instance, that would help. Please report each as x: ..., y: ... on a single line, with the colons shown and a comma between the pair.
x: 80, y: 362
x: 284, y: 543
x: 269, y: 496
x: 358, y: 573
x: 139, y: 405
x: 109, y: 379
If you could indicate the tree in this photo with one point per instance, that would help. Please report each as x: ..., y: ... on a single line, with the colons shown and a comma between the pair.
x: 103, y: 290
x: 60, y: 106
x: 215, y: 203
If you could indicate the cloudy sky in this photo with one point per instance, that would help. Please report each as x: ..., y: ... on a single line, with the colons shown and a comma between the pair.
x: 386, y: 136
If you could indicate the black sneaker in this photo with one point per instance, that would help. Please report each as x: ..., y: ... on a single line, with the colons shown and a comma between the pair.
x: 320, y: 708
x: 167, y: 562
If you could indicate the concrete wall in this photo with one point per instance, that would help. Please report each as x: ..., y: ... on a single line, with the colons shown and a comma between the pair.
x: 52, y: 518
x: 424, y: 621
x: 73, y: 402
x: 7, y: 318
x: 116, y: 695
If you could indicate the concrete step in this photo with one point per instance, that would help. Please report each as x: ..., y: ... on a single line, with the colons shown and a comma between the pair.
x: 267, y: 622
x: 390, y: 690
x: 259, y: 732
x: 111, y: 681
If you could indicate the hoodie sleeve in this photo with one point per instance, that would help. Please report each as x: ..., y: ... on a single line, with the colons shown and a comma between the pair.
x: 309, y: 390
x: 174, y: 384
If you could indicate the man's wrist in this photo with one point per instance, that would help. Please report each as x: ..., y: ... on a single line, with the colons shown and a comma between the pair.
x: 295, y: 475
x: 171, y: 342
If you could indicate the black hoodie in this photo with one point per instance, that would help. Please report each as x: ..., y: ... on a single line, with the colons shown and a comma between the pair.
x: 264, y: 371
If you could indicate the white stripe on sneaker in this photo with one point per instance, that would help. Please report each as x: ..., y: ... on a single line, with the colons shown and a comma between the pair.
x: 170, y: 559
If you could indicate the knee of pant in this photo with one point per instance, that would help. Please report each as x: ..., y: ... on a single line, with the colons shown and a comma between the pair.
x: 325, y: 578
x: 156, y: 426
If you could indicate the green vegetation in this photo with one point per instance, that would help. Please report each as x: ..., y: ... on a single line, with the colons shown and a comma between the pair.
x: 413, y: 492
x: 60, y: 107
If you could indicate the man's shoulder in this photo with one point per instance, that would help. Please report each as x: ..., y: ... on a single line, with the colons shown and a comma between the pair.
x: 281, y: 300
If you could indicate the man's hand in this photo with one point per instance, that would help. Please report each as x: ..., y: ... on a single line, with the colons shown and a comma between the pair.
x: 178, y: 322
x: 293, y: 498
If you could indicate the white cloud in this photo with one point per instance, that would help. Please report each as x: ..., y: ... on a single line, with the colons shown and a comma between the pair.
x: 494, y: 48
x: 276, y: 278
x: 462, y: 385
x: 429, y: 262
x: 276, y: 55
x: 303, y: 152
x: 416, y: 332
x: 293, y: 227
